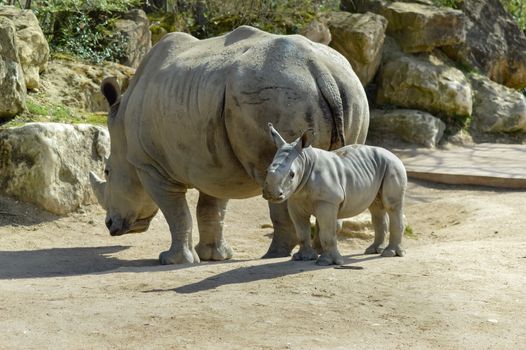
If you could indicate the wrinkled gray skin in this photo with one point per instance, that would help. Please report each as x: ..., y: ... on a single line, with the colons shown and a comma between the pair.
x: 194, y: 116
x: 333, y: 185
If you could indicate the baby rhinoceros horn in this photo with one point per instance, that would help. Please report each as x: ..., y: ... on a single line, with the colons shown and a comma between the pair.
x: 99, y: 186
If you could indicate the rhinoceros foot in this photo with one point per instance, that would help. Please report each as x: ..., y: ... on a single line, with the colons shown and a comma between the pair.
x: 278, y: 249
x: 330, y: 258
x: 393, y: 250
x: 305, y: 254
x: 184, y: 256
x: 375, y: 249
x: 213, y: 251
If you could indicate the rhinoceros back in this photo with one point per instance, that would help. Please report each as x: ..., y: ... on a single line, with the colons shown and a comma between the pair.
x: 197, y: 109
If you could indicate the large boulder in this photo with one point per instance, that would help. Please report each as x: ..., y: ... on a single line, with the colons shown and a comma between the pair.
x: 497, y: 108
x: 33, y: 49
x: 12, y: 84
x: 360, y: 38
x: 424, y: 82
x: 318, y: 32
x: 48, y: 164
x: 135, y: 30
x: 77, y: 85
x: 417, y: 27
x: 494, y: 44
x: 412, y: 126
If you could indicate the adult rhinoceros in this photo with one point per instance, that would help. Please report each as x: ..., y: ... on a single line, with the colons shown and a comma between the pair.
x: 195, y: 115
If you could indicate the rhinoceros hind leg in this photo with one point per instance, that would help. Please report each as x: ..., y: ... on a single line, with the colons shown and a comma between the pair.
x: 284, y: 238
x: 396, y: 231
x: 210, y: 215
x: 379, y: 220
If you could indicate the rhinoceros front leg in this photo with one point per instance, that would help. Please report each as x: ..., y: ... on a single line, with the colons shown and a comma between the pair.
x: 326, y: 214
x: 301, y: 220
x: 171, y: 199
x: 284, y: 238
x: 210, y: 215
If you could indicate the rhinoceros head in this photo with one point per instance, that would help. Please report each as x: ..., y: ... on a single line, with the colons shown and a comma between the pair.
x: 128, y: 206
x: 285, y: 173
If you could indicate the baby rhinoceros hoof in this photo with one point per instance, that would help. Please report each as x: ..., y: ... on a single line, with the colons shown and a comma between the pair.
x: 214, y: 251
x: 375, y: 249
x: 184, y: 256
x: 305, y: 254
x: 330, y: 258
x: 396, y: 250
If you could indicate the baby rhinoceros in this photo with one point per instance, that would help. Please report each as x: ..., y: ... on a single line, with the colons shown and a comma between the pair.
x: 337, y: 184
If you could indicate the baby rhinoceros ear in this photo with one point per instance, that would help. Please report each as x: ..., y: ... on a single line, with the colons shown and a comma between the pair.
x: 307, y: 138
x: 276, y: 137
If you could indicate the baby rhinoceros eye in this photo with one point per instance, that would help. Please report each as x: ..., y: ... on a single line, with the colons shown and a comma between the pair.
x: 291, y: 174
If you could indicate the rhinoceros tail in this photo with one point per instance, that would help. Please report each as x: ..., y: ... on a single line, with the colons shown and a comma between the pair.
x: 331, y: 94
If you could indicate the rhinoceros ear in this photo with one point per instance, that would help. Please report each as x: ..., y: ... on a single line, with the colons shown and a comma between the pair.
x: 111, y: 90
x: 307, y: 138
x: 278, y: 140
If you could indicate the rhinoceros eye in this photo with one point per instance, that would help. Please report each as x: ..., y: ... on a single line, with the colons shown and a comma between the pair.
x: 291, y: 174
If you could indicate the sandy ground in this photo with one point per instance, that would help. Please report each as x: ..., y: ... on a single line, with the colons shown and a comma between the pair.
x: 66, y: 284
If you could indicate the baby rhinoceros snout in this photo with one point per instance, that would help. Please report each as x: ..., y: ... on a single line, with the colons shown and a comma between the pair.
x: 274, y: 195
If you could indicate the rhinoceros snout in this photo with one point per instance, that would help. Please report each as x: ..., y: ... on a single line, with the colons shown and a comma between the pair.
x: 116, y: 227
x: 274, y: 197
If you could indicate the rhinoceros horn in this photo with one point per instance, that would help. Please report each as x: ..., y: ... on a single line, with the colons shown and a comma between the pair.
x: 98, y: 186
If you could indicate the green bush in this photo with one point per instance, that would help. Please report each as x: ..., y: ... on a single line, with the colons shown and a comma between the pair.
x: 84, y: 28
x: 208, y: 18
x: 516, y: 8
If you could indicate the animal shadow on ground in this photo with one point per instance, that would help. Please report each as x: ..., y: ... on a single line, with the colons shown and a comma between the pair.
x: 57, y: 262
x: 266, y: 271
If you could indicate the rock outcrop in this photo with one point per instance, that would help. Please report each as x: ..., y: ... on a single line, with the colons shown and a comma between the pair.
x: 494, y: 44
x: 77, y: 85
x: 497, y: 108
x: 417, y: 27
x: 318, y: 32
x: 360, y: 38
x: 423, y: 82
x: 32, y: 46
x: 48, y: 164
x: 12, y: 84
x: 412, y: 126
x: 135, y: 30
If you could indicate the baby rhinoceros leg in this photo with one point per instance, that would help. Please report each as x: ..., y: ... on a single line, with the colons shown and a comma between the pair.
x: 301, y: 222
x: 326, y: 214
x: 379, y: 220
x: 396, y: 230
x: 393, y: 191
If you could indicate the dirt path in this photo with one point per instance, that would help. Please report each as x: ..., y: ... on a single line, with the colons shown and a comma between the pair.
x: 66, y: 284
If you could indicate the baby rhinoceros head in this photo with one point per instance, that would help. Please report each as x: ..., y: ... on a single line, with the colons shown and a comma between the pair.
x: 285, y: 172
